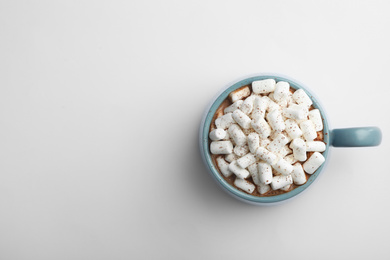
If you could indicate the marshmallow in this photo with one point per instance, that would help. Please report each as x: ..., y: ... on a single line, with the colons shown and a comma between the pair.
x: 283, y: 167
x: 301, y: 97
x: 271, y: 104
x: 298, y: 175
x: 224, y: 167
x: 263, y: 86
x: 265, y: 173
x: 253, y: 142
x: 315, y: 117
x: 247, y: 106
x: 289, y: 158
x: 238, y: 171
x: 286, y: 188
x: 296, y: 112
x: 261, y: 127
x: 221, y: 147
x: 278, y: 143
x: 241, y: 150
x: 284, y: 151
x: 254, y: 173
x: 225, y: 121
x: 281, y: 181
x: 231, y: 157
x: 243, y: 120
x: 276, y: 121
x: 244, y: 185
x: 292, y: 129
x: 264, y: 142
x: 313, y: 163
x: 239, y: 94
x: 299, y: 149
x: 282, y: 90
x: 308, y: 130
x: 246, y: 160
x: 266, y: 155
x: 260, y: 106
x: 315, y: 146
x: 217, y: 134
x: 236, y: 105
x: 263, y: 188
x: 237, y: 134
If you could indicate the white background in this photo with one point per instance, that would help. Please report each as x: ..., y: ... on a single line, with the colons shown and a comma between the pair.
x: 100, y: 104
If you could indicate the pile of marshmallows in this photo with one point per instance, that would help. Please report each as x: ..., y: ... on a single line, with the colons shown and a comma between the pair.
x: 265, y: 134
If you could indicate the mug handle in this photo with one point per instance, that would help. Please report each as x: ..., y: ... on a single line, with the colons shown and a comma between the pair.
x: 356, y: 137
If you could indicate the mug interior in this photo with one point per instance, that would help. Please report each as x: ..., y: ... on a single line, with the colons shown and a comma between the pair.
x: 206, y: 144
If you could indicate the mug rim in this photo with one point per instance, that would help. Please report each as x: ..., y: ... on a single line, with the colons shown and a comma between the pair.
x: 205, y: 144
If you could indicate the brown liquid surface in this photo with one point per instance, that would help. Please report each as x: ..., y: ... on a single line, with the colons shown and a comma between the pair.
x: 219, y: 112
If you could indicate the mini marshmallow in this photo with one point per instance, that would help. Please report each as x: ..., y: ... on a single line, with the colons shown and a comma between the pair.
x: 238, y: 171
x: 271, y: 104
x: 253, y: 142
x: 265, y: 173
x: 244, y: 185
x: 301, y: 97
x: 247, y: 106
x: 276, y: 121
x: 225, y: 121
x: 296, y: 112
x: 266, y: 155
x: 236, y: 105
x: 239, y: 94
x: 241, y: 150
x: 224, y: 167
x: 299, y: 149
x: 292, y: 129
x: 260, y: 106
x: 263, y: 188
x: 217, y: 134
x: 263, y: 86
x: 315, y: 117
x: 313, y: 163
x: 289, y: 158
x: 221, y: 147
x: 283, y: 167
x: 308, y: 130
x: 278, y: 143
x: 298, y: 175
x: 243, y: 120
x: 284, y: 152
x: 281, y: 181
x: 282, y: 90
x: 264, y: 142
x: 246, y: 160
x: 315, y: 146
x: 261, y: 127
x: 286, y: 188
x: 231, y: 157
x: 237, y: 134
x: 254, y: 173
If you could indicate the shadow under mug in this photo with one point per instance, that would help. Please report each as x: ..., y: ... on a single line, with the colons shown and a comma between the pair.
x: 347, y: 137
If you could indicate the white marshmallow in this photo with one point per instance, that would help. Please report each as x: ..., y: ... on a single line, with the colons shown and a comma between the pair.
x: 254, y: 173
x: 271, y: 104
x: 301, y: 97
x: 296, y: 112
x: 263, y: 188
x: 246, y: 160
x: 261, y: 127
x: 217, y: 134
x: 264, y: 142
x: 265, y: 173
x: 276, y: 121
x: 263, y: 86
x: 292, y: 129
x: 236, y: 105
x: 231, y: 157
x: 266, y: 155
x: 313, y: 163
x: 225, y: 121
x: 308, y: 130
x: 281, y: 181
x: 282, y: 90
x: 243, y: 120
x: 315, y: 146
x: 283, y: 167
x: 224, y: 167
x: 238, y: 171
x: 315, y: 117
x: 247, y: 106
x: 241, y: 150
x: 299, y: 149
x: 278, y: 143
x: 239, y: 94
x: 286, y: 188
x: 244, y: 185
x: 221, y: 147
x: 237, y: 134
x: 298, y: 175
x: 284, y: 152
x: 290, y: 159
x: 253, y: 142
x: 260, y: 106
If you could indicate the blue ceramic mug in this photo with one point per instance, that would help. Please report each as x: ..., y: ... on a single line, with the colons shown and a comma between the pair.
x: 348, y: 137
